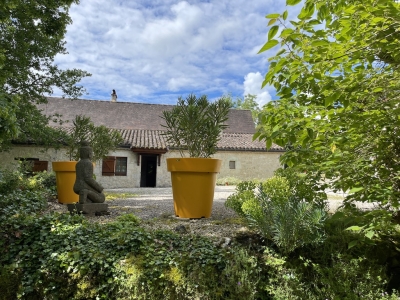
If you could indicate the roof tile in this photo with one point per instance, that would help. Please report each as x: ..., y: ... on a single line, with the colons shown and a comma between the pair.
x: 141, y: 125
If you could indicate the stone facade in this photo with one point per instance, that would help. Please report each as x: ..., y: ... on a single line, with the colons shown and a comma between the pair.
x: 243, y: 165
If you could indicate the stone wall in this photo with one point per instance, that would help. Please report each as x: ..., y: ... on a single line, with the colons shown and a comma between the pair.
x: 247, y: 165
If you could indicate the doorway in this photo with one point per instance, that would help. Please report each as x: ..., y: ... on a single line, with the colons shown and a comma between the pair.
x: 148, y: 170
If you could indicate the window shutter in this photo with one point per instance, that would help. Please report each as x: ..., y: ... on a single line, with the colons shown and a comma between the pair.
x: 39, y: 166
x: 108, y: 166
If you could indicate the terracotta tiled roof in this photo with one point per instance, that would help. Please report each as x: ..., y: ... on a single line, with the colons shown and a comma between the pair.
x: 145, y: 139
x: 243, y: 142
x: 140, y: 124
x: 153, y: 139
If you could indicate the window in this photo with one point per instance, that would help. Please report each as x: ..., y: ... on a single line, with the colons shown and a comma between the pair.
x: 120, y: 166
x: 115, y: 166
x: 232, y: 164
x: 33, y: 165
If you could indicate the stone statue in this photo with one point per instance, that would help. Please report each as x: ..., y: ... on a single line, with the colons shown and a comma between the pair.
x: 88, y: 189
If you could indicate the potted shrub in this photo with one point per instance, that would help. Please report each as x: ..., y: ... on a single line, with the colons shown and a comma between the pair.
x: 194, y: 126
x: 100, y: 138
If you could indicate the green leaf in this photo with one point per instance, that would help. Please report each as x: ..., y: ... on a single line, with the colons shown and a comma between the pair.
x: 370, y: 234
x: 292, y: 2
x: 310, y: 133
x: 284, y: 15
x: 273, y: 31
x: 272, y: 21
x: 314, y: 22
x: 354, y: 228
x: 286, y: 32
x: 352, y: 244
x: 283, y: 50
x: 355, y: 190
x: 268, y: 45
x: 319, y: 43
x: 332, y: 98
x: 269, y: 143
x: 256, y: 135
x: 306, y: 11
x: 272, y: 16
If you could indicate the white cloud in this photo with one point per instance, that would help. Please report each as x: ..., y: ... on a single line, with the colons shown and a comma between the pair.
x: 252, y: 85
x: 152, y: 51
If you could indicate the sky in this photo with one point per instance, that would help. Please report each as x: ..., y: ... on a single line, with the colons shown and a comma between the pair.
x: 156, y: 51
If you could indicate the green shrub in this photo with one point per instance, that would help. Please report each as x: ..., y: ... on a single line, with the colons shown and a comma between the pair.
x: 341, y: 277
x: 277, y: 212
x: 10, y: 181
x: 10, y: 279
x: 290, y: 224
x: 304, y: 186
x: 46, y: 180
x: 236, y: 201
x: 131, y: 219
x: 277, y: 188
x: 246, y: 186
x: 65, y: 257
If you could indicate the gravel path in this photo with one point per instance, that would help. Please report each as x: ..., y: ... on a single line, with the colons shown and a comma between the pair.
x: 154, y: 207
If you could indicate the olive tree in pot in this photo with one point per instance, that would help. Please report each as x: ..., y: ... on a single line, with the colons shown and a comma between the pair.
x: 100, y: 138
x: 194, y: 126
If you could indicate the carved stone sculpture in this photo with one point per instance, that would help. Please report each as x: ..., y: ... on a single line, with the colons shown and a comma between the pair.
x: 88, y: 189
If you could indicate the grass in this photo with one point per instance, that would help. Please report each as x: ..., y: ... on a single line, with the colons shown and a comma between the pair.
x: 110, y: 196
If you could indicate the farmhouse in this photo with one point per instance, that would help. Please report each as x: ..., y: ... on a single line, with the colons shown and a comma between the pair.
x: 141, y: 160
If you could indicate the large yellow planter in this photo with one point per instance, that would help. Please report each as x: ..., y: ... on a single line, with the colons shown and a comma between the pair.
x: 65, y: 176
x: 193, y: 184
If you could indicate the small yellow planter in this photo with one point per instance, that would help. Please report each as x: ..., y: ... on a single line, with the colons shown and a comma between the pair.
x: 65, y: 176
x: 193, y: 184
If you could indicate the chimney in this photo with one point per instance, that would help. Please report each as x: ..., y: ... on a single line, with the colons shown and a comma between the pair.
x: 114, y: 96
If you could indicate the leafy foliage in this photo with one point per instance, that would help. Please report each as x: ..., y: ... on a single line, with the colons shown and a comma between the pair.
x: 31, y: 35
x: 46, y: 256
x: 337, y: 77
x: 279, y: 213
x: 11, y: 180
x: 70, y: 258
x: 342, y: 103
x: 64, y: 256
x: 101, y: 139
x: 195, y: 124
x: 341, y: 277
x: 249, y: 102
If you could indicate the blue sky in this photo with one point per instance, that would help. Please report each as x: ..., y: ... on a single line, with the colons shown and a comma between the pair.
x: 155, y: 51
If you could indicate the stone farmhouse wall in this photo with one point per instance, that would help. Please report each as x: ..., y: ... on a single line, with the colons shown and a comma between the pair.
x: 238, y: 164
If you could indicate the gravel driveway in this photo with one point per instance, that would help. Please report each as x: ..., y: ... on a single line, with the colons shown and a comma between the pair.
x: 155, y: 209
x: 155, y: 202
x: 159, y: 201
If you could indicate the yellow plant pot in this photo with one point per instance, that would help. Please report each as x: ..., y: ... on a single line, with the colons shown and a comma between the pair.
x: 65, y: 177
x: 193, y: 184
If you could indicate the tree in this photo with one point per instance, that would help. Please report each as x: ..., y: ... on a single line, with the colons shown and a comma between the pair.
x: 100, y: 138
x: 31, y: 35
x: 249, y: 102
x: 337, y: 76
